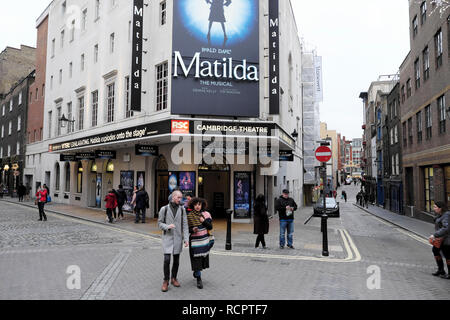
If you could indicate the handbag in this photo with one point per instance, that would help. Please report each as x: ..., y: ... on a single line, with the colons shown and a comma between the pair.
x: 49, y: 199
x: 436, y: 242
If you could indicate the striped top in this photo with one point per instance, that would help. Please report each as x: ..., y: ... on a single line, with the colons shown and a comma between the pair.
x: 199, y: 240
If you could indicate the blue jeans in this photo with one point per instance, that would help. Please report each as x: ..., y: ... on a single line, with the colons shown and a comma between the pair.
x: 289, y: 226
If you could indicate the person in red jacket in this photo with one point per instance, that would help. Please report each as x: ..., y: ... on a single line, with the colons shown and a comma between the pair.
x: 111, y: 205
x: 41, y: 199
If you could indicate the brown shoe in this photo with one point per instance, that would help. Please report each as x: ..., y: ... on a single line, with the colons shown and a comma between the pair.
x: 175, y: 283
x: 165, y: 286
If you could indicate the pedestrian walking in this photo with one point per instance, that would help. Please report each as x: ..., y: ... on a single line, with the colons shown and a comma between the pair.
x: 111, y: 205
x: 41, y: 199
x: 173, y: 222
x: 358, y: 198
x: 27, y: 192
x: 366, y: 200
x: 286, y: 207
x: 344, y: 195
x: 121, y: 199
x: 142, y: 204
x: 441, y: 240
x: 21, y: 191
x: 200, y: 238
x: 261, y: 221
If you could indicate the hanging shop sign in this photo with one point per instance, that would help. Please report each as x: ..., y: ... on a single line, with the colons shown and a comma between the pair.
x: 100, y: 154
x: 85, y: 156
x: 147, y: 151
x: 67, y: 157
x: 286, y: 156
x: 136, y: 66
x: 274, y: 57
x: 216, y: 58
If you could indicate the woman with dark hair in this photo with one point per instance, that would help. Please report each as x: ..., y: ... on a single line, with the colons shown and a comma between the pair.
x: 261, y: 221
x: 441, y: 240
x: 218, y: 15
x: 200, y: 225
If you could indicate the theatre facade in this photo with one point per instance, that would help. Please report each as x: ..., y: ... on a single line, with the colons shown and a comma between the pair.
x: 210, y: 108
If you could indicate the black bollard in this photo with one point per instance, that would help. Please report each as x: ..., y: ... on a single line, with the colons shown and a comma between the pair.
x: 325, y: 252
x: 228, y: 245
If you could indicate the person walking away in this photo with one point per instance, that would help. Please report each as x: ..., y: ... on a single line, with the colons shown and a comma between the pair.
x: 142, y: 200
x: 344, y: 195
x: 121, y: 199
x: 27, y: 193
x: 111, y: 204
x: 41, y: 199
x: 366, y: 200
x: 261, y: 221
x: 358, y: 198
x: 21, y: 190
x: 286, y: 207
x: 200, y: 226
x: 173, y: 222
x: 442, y: 233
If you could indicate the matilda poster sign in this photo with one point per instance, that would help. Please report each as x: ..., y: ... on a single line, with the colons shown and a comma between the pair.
x: 216, y: 58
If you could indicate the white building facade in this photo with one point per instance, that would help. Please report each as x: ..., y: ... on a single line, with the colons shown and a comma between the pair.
x: 105, y: 143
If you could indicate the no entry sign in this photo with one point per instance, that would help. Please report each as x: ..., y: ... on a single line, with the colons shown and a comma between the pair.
x: 323, y: 154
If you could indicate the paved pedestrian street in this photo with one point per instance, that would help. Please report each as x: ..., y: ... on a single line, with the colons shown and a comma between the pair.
x: 369, y: 259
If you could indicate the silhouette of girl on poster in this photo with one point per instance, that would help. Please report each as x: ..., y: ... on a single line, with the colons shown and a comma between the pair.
x: 218, y: 15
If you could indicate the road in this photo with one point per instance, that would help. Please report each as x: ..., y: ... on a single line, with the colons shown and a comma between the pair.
x: 43, y: 260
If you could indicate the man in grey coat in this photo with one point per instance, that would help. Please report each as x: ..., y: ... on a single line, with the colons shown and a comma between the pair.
x: 173, y: 222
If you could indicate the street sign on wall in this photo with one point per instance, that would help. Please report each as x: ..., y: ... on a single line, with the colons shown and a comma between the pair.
x: 323, y: 154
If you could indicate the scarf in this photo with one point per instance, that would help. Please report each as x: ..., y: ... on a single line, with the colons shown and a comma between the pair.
x: 194, y: 219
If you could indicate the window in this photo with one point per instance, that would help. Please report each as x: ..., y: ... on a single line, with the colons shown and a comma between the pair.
x: 410, y: 131
x: 82, y: 62
x: 3, y: 131
x: 429, y: 189
x: 58, y: 116
x: 3, y: 110
x: 1, y: 152
x: 417, y: 73
x: 60, y: 76
x: 43, y: 90
x: 67, y: 173
x: 72, y: 31
x: 37, y: 94
x: 426, y: 63
x: 97, y: 9
x: 51, y: 82
x: 94, y: 108
x: 84, y: 20
x: 19, y: 123
x: 11, y: 105
x: 439, y: 48
x: 111, y: 43
x: 62, y: 39
x: 80, y: 113
x: 128, y: 112
x: 415, y: 26
x: 423, y: 12
x: 441, y: 113
x: 408, y: 88
x: 419, y: 126
x: 57, y: 177
x: 161, y: 86
x: 397, y: 164
x: 53, y: 47
x: 96, y: 53
x: 428, y: 122
x: 18, y: 148
x: 70, y: 69
x: 49, y: 124
x: 403, y: 94
x: 20, y: 99
x: 10, y: 128
x: 396, y: 134
x: 80, y: 178
x: 9, y: 151
x: 163, y: 12
x: 110, y: 103
x: 70, y: 125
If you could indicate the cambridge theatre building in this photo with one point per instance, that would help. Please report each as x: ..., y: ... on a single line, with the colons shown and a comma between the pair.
x: 203, y: 97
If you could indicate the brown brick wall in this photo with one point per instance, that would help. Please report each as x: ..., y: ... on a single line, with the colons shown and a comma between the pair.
x: 15, y: 64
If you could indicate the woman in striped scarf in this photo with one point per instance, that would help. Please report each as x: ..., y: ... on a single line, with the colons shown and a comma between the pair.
x: 200, y: 225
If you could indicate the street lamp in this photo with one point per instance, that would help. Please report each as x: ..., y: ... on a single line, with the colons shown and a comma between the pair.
x: 64, y: 120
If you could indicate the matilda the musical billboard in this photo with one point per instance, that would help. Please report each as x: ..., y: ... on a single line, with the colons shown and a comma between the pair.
x: 215, y: 59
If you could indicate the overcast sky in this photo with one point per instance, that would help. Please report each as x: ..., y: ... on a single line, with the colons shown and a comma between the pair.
x: 359, y: 40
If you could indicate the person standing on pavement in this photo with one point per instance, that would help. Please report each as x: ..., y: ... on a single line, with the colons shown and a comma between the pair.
x: 142, y: 203
x: 21, y: 191
x: 366, y: 200
x: 200, y: 226
x: 121, y: 199
x: 344, y: 195
x: 286, y: 207
x: 173, y: 222
x: 111, y: 204
x: 442, y: 232
x: 261, y: 221
x: 41, y: 200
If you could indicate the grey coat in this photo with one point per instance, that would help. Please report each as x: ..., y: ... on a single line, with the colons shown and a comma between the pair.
x: 442, y: 228
x: 173, y: 240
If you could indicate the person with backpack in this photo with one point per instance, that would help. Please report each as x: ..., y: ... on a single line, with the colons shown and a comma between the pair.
x: 121, y: 199
x: 173, y: 222
x: 111, y: 205
x: 142, y: 204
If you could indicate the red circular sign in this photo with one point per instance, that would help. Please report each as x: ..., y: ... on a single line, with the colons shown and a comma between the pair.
x: 323, y: 154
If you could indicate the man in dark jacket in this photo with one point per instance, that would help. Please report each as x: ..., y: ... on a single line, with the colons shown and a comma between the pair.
x: 286, y: 206
x: 121, y: 199
x: 142, y: 203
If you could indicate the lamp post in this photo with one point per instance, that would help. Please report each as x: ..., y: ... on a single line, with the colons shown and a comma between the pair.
x: 64, y: 120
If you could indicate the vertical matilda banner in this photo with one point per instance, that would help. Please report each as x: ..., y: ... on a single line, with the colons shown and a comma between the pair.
x: 216, y: 58
x: 274, y: 57
x: 136, y: 66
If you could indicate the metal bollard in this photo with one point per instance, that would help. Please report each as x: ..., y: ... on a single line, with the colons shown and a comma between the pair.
x: 228, y: 245
x: 325, y: 251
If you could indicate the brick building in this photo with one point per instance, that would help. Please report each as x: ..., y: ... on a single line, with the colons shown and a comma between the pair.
x: 15, y: 64
x: 424, y: 90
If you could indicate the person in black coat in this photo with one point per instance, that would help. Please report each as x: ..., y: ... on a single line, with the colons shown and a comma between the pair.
x: 261, y: 221
x: 442, y: 232
x: 142, y: 204
x: 21, y: 191
x: 286, y: 207
x: 121, y: 199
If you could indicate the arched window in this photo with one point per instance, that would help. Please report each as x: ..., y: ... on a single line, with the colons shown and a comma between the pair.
x: 80, y: 178
x: 67, y: 170
x: 57, y: 177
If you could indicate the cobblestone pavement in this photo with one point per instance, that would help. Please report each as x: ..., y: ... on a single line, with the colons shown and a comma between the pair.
x: 122, y: 264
